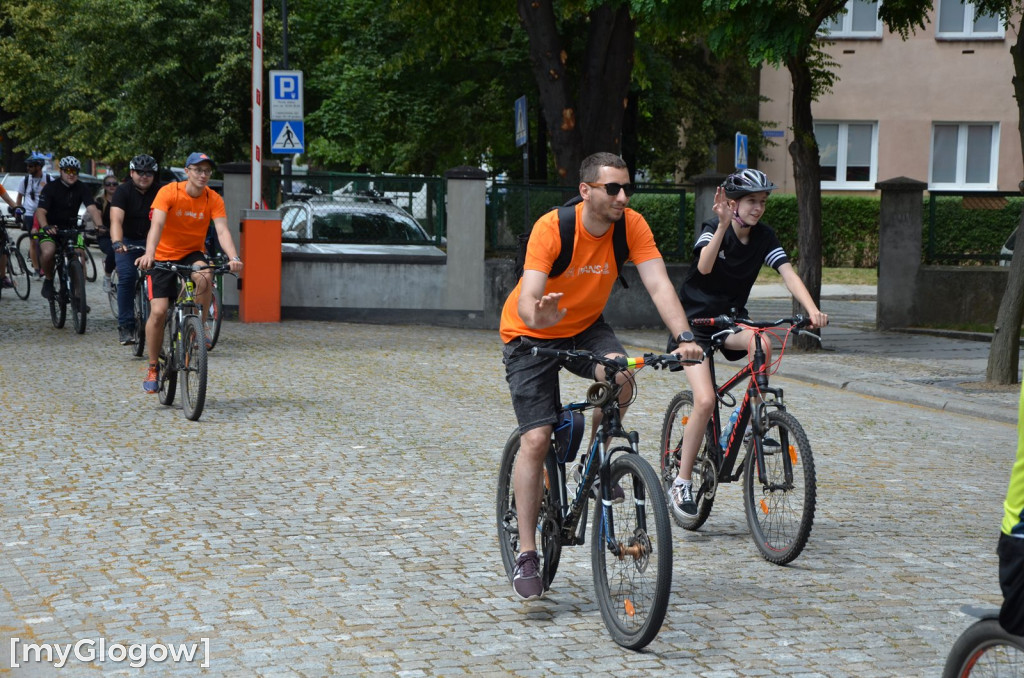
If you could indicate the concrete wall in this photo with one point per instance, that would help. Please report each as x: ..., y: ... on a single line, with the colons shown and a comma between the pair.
x: 948, y: 295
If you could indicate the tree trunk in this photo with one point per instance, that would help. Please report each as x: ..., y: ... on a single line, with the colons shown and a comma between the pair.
x: 547, y: 58
x: 1003, y: 355
x: 807, y: 174
x: 607, y: 69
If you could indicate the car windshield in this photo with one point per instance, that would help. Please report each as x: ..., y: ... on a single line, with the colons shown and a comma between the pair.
x: 365, y: 223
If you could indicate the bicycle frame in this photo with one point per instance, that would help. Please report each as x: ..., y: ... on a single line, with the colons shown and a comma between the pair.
x: 756, y: 376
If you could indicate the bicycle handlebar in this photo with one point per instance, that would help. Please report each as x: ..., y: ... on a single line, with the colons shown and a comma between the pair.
x: 191, y: 268
x: 733, y: 325
x: 657, y: 361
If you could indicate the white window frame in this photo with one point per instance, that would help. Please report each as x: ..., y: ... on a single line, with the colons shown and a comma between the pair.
x: 961, y: 159
x: 846, y: 32
x: 842, y: 151
x: 966, y: 31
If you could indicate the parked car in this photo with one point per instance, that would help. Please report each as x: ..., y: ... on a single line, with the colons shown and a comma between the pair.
x: 362, y: 223
x: 1006, y: 253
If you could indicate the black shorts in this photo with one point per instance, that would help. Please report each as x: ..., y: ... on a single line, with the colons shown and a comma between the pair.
x: 165, y: 283
x: 1011, y: 580
x: 533, y: 380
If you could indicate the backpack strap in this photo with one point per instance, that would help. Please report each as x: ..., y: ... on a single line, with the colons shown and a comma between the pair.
x: 567, y: 234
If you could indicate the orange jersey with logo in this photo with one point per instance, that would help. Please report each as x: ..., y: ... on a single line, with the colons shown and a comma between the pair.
x: 586, y: 283
x: 188, y: 219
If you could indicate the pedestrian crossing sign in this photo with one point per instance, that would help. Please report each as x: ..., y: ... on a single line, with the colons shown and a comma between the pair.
x: 288, y: 136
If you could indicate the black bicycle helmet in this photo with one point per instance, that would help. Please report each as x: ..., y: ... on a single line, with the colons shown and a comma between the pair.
x: 143, y: 163
x: 70, y: 162
x: 747, y: 181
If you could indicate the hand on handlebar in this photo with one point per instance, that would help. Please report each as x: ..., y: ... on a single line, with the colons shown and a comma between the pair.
x: 690, y: 351
x: 145, y: 262
x: 817, y: 319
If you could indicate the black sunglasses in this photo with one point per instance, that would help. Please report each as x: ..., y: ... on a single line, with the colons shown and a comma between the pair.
x: 613, y: 189
x: 110, y: 183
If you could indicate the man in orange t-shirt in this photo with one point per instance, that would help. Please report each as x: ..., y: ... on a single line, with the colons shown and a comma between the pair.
x: 565, y: 313
x: 180, y: 219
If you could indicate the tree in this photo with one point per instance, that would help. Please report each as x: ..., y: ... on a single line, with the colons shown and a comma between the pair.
x: 1003, y: 355
x: 785, y: 34
x: 160, y: 76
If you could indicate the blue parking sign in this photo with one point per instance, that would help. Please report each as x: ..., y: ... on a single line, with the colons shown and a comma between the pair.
x: 286, y: 95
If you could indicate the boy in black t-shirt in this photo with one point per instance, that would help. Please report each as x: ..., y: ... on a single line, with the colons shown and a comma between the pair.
x: 728, y: 255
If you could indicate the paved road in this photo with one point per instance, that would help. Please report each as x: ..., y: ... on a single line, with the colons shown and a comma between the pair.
x: 332, y: 513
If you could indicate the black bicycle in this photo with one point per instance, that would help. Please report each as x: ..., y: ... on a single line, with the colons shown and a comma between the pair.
x: 183, y: 349
x: 17, y: 269
x: 779, y: 487
x: 215, y: 313
x: 631, y: 543
x: 68, y: 279
x: 985, y: 649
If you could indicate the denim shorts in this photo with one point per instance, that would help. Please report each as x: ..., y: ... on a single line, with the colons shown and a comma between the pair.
x: 533, y: 380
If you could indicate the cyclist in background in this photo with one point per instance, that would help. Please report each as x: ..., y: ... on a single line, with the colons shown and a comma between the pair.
x: 12, y: 208
x: 727, y: 257
x: 110, y: 183
x: 181, y: 214
x: 130, y: 210
x: 1011, y: 541
x: 565, y: 312
x: 58, y: 208
x: 28, y: 199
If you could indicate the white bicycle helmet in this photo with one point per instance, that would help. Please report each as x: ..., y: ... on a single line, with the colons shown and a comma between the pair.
x: 70, y: 162
x: 748, y: 181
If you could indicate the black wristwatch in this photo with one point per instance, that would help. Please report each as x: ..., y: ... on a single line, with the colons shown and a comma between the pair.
x: 685, y: 338
x: 117, y: 245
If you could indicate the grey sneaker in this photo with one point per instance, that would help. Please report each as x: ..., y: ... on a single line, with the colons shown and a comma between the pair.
x: 682, y: 500
x: 526, y: 580
x: 126, y: 335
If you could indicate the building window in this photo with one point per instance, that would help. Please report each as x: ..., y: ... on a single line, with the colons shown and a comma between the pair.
x: 858, y: 20
x: 964, y: 156
x: 960, y: 20
x: 848, y: 154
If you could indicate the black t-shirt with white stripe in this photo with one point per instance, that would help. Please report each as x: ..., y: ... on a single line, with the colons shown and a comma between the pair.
x: 728, y: 284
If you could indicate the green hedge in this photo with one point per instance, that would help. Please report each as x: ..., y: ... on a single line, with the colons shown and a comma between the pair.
x: 971, y: 233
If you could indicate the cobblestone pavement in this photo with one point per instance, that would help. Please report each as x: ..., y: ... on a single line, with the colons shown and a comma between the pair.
x: 332, y: 513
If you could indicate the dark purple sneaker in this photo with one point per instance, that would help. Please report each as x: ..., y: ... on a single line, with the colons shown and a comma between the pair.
x: 526, y: 579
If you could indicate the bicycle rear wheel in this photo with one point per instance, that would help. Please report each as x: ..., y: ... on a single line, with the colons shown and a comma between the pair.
x: 549, y: 521
x: 193, y: 368
x: 780, y: 506
x: 703, y: 475
x: 112, y: 294
x: 18, y: 270
x: 168, y: 370
x: 79, y: 308
x: 25, y: 246
x: 985, y: 649
x: 141, y: 311
x: 214, y: 316
x: 59, y: 300
x: 633, y: 582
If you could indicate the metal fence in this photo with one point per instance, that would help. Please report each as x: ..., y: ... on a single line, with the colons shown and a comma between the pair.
x: 512, y: 209
x: 969, y: 227
x: 422, y: 197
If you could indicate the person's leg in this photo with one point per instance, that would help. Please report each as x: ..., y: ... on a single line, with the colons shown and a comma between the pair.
x: 127, y: 274
x: 47, y: 248
x: 108, y: 249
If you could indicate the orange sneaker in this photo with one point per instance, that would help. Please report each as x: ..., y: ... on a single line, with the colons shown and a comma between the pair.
x: 151, y: 384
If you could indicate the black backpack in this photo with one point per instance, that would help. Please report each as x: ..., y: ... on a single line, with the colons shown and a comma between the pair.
x: 567, y: 231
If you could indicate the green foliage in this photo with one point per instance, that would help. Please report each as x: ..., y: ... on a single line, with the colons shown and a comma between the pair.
x: 158, y: 76
x: 849, y: 229
x: 965, y: 228
x: 662, y: 212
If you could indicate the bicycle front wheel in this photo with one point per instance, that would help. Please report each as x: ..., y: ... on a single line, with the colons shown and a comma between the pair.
x: 88, y: 264
x: 632, y: 561
x: 549, y: 521
x: 703, y: 475
x: 985, y: 649
x: 112, y: 294
x: 59, y: 300
x: 193, y: 368
x: 780, y: 506
x: 214, y: 316
x: 79, y: 309
x: 18, y: 270
x: 141, y: 312
x: 25, y: 246
x: 167, y: 367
